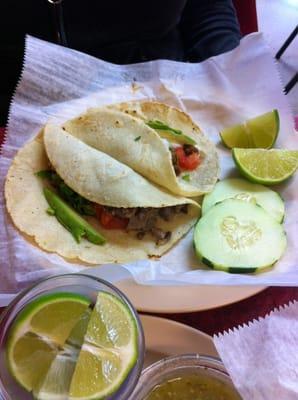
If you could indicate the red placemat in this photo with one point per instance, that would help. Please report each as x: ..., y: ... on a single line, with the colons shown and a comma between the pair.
x: 2, y: 130
x: 223, y: 318
x: 228, y: 317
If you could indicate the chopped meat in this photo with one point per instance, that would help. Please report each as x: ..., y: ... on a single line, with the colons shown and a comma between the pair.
x: 161, y: 236
x: 121, y: 212
x: 175, y: 162
x: 143, y: 219
x: 141, y: 234
x: 189, y: 149
x: 166, y: 212
x: 183, y: 208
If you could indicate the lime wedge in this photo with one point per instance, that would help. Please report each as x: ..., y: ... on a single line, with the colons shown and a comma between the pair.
x: 109, y: 351
x: 259, y: 132
x: 76, y: 337
x: 56, y: 383
x: 268, y: 167
x: 38, y: 333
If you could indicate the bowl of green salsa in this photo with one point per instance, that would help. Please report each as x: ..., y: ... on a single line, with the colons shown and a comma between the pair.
x: 186, y: 377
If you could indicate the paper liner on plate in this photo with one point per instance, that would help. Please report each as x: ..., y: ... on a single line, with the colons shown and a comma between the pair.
x: 262, y: 356
x: 59, y: 83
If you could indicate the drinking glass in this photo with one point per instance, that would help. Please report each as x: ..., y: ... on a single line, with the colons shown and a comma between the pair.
x: 85, y: 285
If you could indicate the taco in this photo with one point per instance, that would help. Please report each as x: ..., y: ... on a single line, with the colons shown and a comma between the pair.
x: 160, y: 142
x: 121, y: 216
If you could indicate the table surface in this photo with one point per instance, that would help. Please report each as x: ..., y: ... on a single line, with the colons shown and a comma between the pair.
x: 228, y: 317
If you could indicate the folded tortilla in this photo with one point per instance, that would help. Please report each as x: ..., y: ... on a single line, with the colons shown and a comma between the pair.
x: 120, y: 131
x: 97, y: 177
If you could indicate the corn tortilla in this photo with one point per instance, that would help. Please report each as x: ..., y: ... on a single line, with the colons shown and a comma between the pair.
x: 98, y: 177
x: 120, y: 131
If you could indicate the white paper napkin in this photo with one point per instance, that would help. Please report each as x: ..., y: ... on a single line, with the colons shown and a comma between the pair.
x: 58, y: 83
x: 262, y: 356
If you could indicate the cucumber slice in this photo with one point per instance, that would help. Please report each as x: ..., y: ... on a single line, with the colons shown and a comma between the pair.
x: 240, y: 237
x: 243, y: 190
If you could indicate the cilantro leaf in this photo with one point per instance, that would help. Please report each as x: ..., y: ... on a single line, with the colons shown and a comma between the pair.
x: 186, y: 177
x: 79, y: 203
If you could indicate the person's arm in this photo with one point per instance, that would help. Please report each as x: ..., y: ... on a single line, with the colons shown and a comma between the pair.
x: 208, y: 28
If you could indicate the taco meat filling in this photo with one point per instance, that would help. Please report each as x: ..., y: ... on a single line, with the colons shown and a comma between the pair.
x: 185, y: 158
x: 140, y: 220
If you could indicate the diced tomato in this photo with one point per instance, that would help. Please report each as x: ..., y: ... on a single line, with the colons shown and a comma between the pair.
x: 109, y: 221
x: 98, y: 210
x: 187, y: 162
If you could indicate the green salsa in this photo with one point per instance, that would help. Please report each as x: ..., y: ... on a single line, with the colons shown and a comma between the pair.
x: 193, y: 387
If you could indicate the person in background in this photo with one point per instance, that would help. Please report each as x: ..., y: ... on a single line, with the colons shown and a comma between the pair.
x: 120, y: 32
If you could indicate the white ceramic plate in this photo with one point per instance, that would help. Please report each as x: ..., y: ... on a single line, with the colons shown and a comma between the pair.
x: 179, y: 299
x: 165, y: 338
x: 173, y: 299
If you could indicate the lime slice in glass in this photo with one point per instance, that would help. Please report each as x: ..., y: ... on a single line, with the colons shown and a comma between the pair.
x: 259, y: 132
x: 38, y: 333
x: 268, y: 167
x: 109, y: 351
x: 56, y: 383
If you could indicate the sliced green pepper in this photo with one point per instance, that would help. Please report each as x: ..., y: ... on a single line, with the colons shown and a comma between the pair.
x: 175, y: 133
